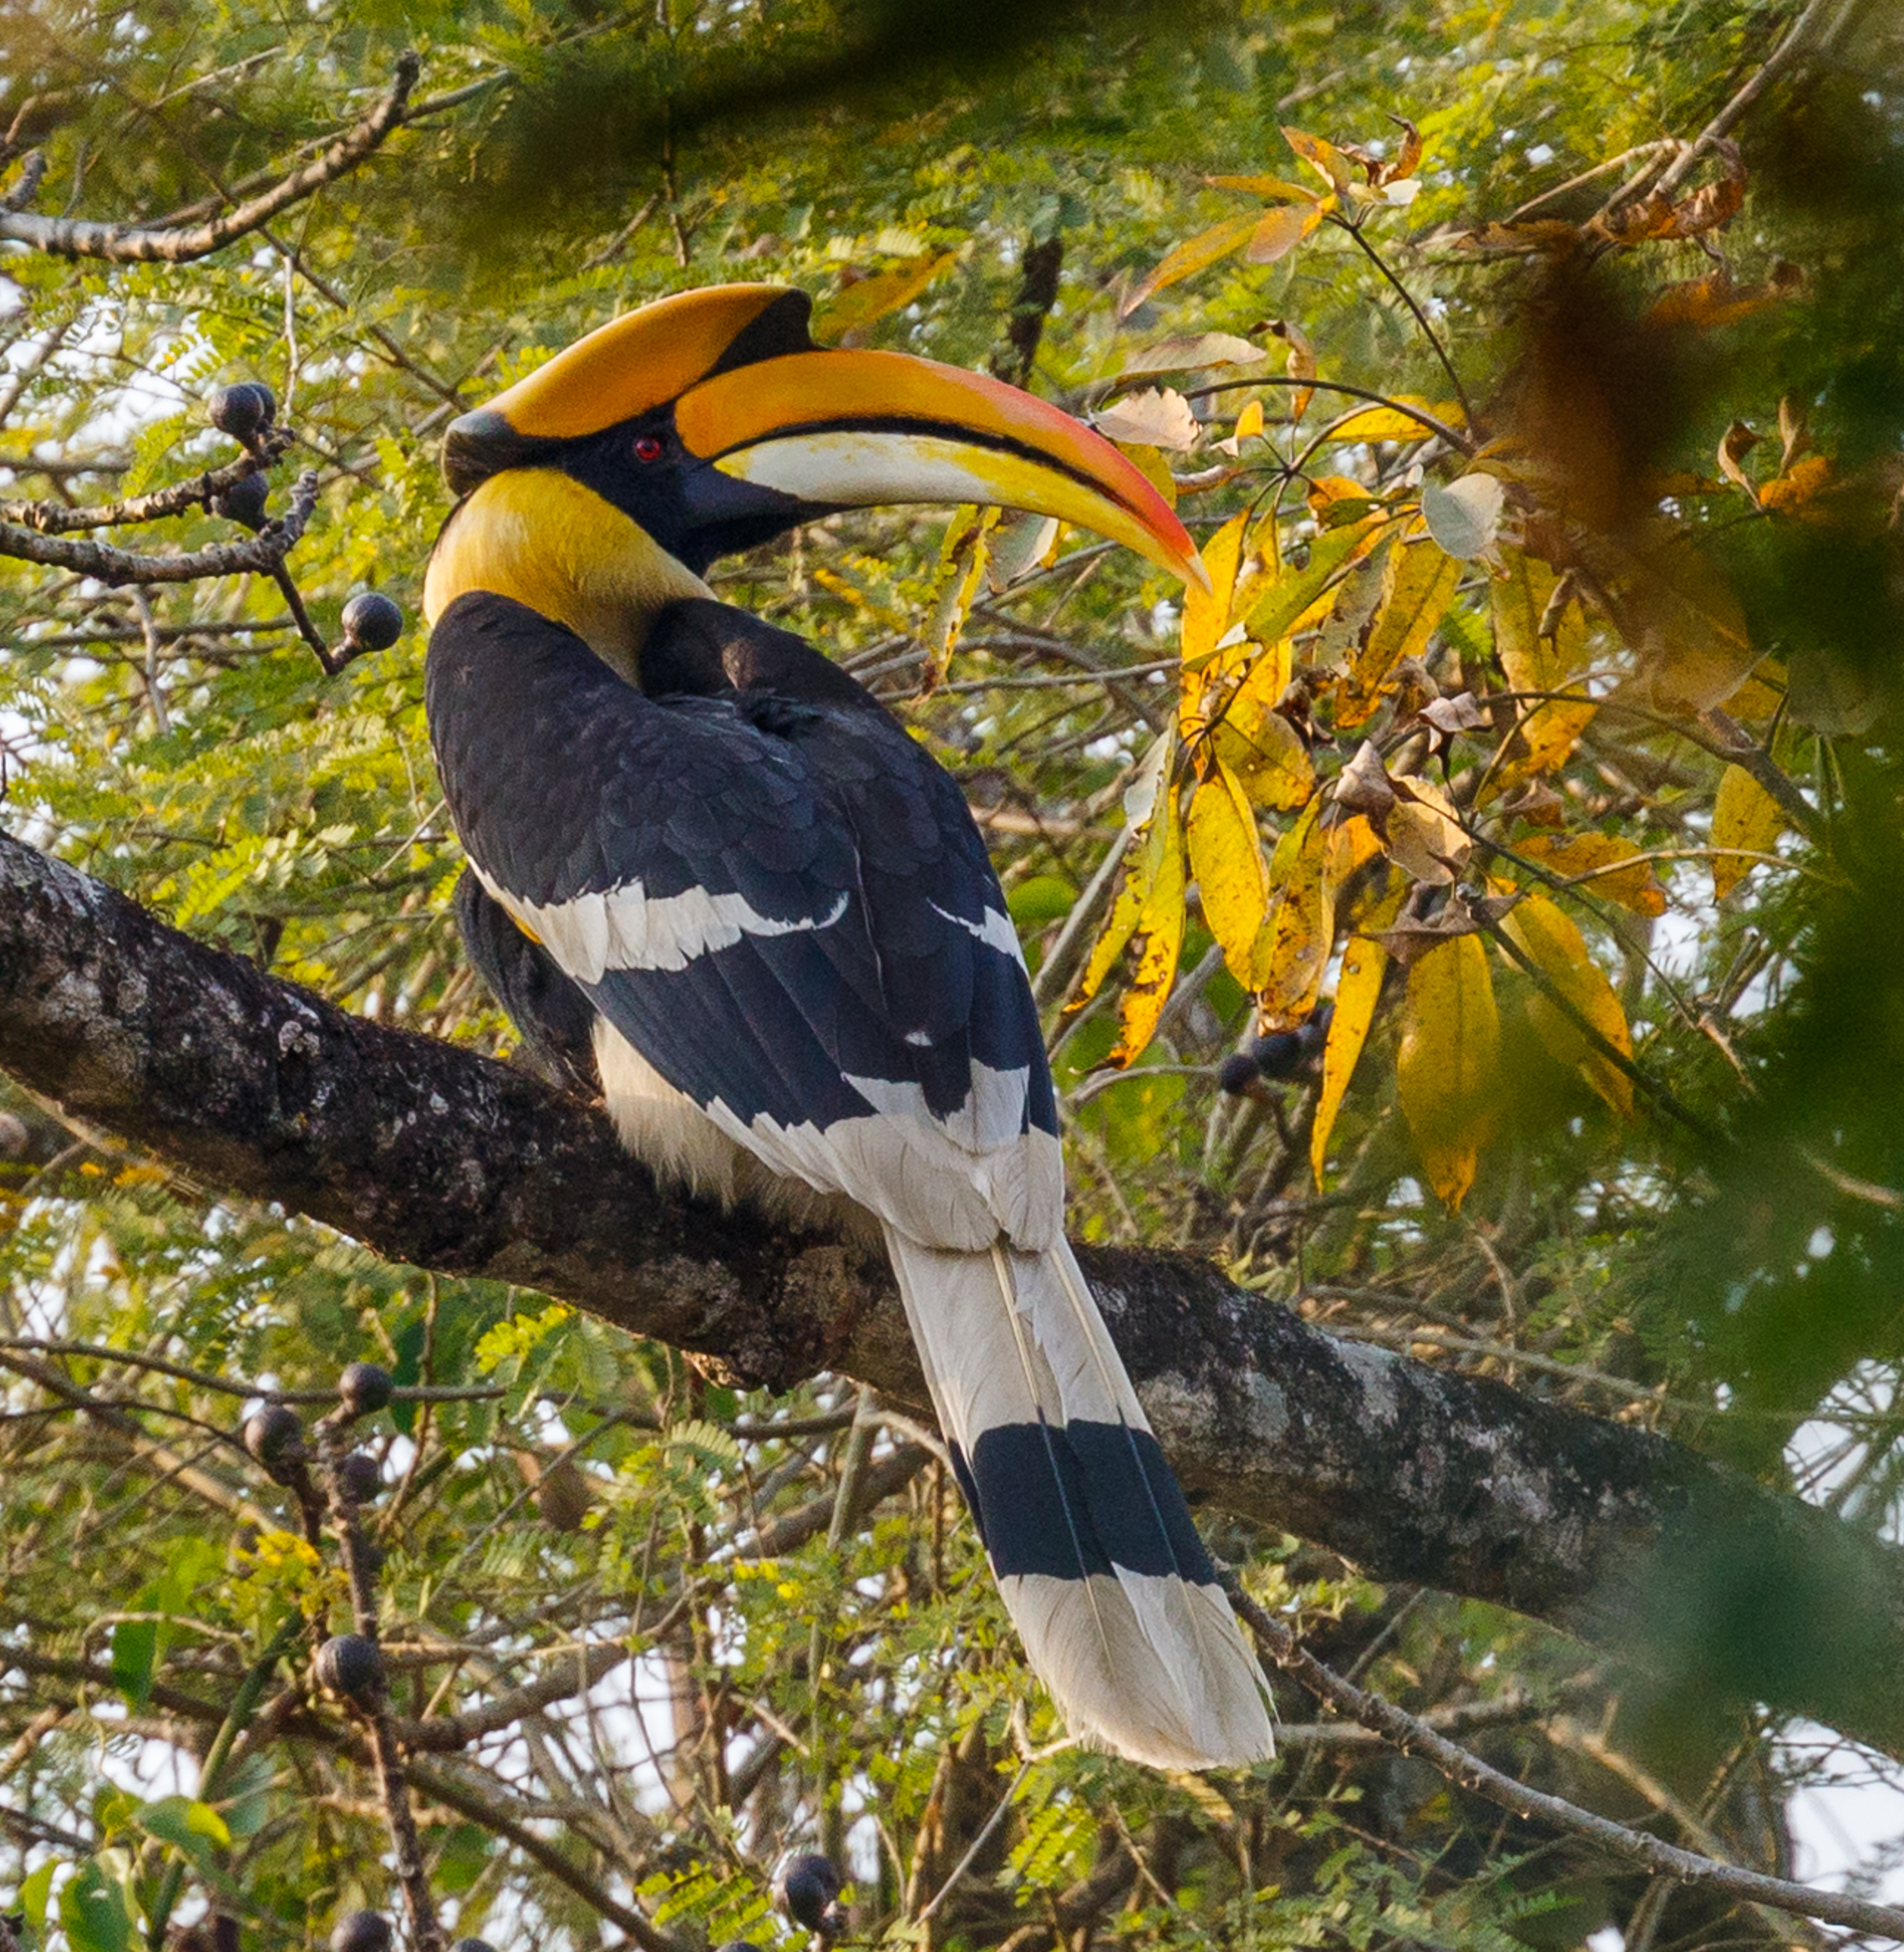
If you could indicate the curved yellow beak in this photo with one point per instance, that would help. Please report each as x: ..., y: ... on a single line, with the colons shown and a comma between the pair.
x: 757, y: 405
x: 852, y: 429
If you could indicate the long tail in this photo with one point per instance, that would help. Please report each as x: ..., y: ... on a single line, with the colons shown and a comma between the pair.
x: 1110, y: 1587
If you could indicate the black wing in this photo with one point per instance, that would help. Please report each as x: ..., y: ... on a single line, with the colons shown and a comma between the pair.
x: 781, y: 903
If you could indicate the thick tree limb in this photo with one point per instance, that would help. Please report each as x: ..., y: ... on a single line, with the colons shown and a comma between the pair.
x: 433, y: 1156
x: 127, y: 244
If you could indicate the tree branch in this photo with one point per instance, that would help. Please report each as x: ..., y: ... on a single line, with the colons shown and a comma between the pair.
x: 1409, y: 1733
x: 431, y: 1154
x: 264, y: 554
x: 56, y: 518
x: 127, y: 244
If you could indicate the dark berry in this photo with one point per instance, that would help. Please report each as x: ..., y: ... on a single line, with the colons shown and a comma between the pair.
x: 274, y: 1436
x: 350, y: 1665
x: 732, y: 1945
x: 472, y: 1945
x: 1279, y: 1055
x: 364, y: 1388
x: 1314, y: 1034
x: 1237, y: 1072
x: 371, y: 621
x: 363, y: 1479
x: 243, y: 411
x: 244, y: 502
x: 360, y: 1932
x: 806, y: 1887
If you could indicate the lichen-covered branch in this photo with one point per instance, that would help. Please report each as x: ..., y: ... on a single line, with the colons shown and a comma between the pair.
x: 262, y: 554
x: 434, y: 1156
x: 129, y: 244
x: 60, y: 518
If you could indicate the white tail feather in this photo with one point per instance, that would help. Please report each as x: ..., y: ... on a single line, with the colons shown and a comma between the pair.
x: 1147, y: 1663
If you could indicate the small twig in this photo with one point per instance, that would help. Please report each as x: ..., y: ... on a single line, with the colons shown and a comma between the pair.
x: 55, y: 518
x: 154, y: 649
x: 1411, y: 1735
x: 360, y: 1563
x: 1464, y: 443
x: 1662, y: 1095
x: 23, y: 375
x: 486, y: 1806
x: 118, y: 567
x: 1726, y: 739
x: 244, y: 1705
x: 1421, y: 318
x: 1648, y: 151
x: 33, y: 173
x: 977, y: 1843
x: 613, y: 249
x: 1782, y: 57
x: 129, y: 244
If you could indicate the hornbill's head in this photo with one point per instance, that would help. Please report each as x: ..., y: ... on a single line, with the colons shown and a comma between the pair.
x: 710, y: 421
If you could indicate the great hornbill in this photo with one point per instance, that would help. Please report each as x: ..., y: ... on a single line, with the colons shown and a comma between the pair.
x: 711, y: 869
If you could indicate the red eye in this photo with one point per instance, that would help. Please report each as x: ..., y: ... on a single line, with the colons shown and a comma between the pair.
x: 647, y: 448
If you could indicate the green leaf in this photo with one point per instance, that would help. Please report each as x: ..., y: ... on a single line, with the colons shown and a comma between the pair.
x: 93, y: 1912
x: 135, y: 1651
x: 188, y: 1826
x: 33, y: 1893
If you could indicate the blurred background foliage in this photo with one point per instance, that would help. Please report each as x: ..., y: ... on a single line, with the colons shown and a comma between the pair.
x: 993, y: 185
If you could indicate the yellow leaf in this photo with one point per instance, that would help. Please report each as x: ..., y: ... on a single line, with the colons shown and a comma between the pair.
x: 1796, y: 486
x: 1447, y: 1066
x: 1762, y: 694
x: 1275, y: 186
x: 1160, y: 940
x: 1744, y: 816
x: 1520, y: 601
x: 1395, y: 422
x: 1143, y: 861
x: 1595, y: 860
x: 867, y: 298
x: 1227, y: 858
x: 1548, y: 733
x: 1352, y: 615
x: 1183, y: 260
x: 1425, y: 839
x: 1287, y: 599
x: 1359, y: 988
x: 1281, y: 229
x: 1258, y: 744
x: 1421, y: 582
x: 1150, y: 463
x: 1249, y: 422
x: 1352, y: 842
x: 1301, y: 362
x: 1547, y: 728
x: 1323, y: 157
x: 1206, y: 614
x: 1292, y: 948
x: 1547, y: 937
x: 962, y: 558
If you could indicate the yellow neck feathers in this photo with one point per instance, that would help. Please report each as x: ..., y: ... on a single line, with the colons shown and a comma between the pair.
x: 540, y: 536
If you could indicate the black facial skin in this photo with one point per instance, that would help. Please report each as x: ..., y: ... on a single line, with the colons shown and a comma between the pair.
x: 686, y: 504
